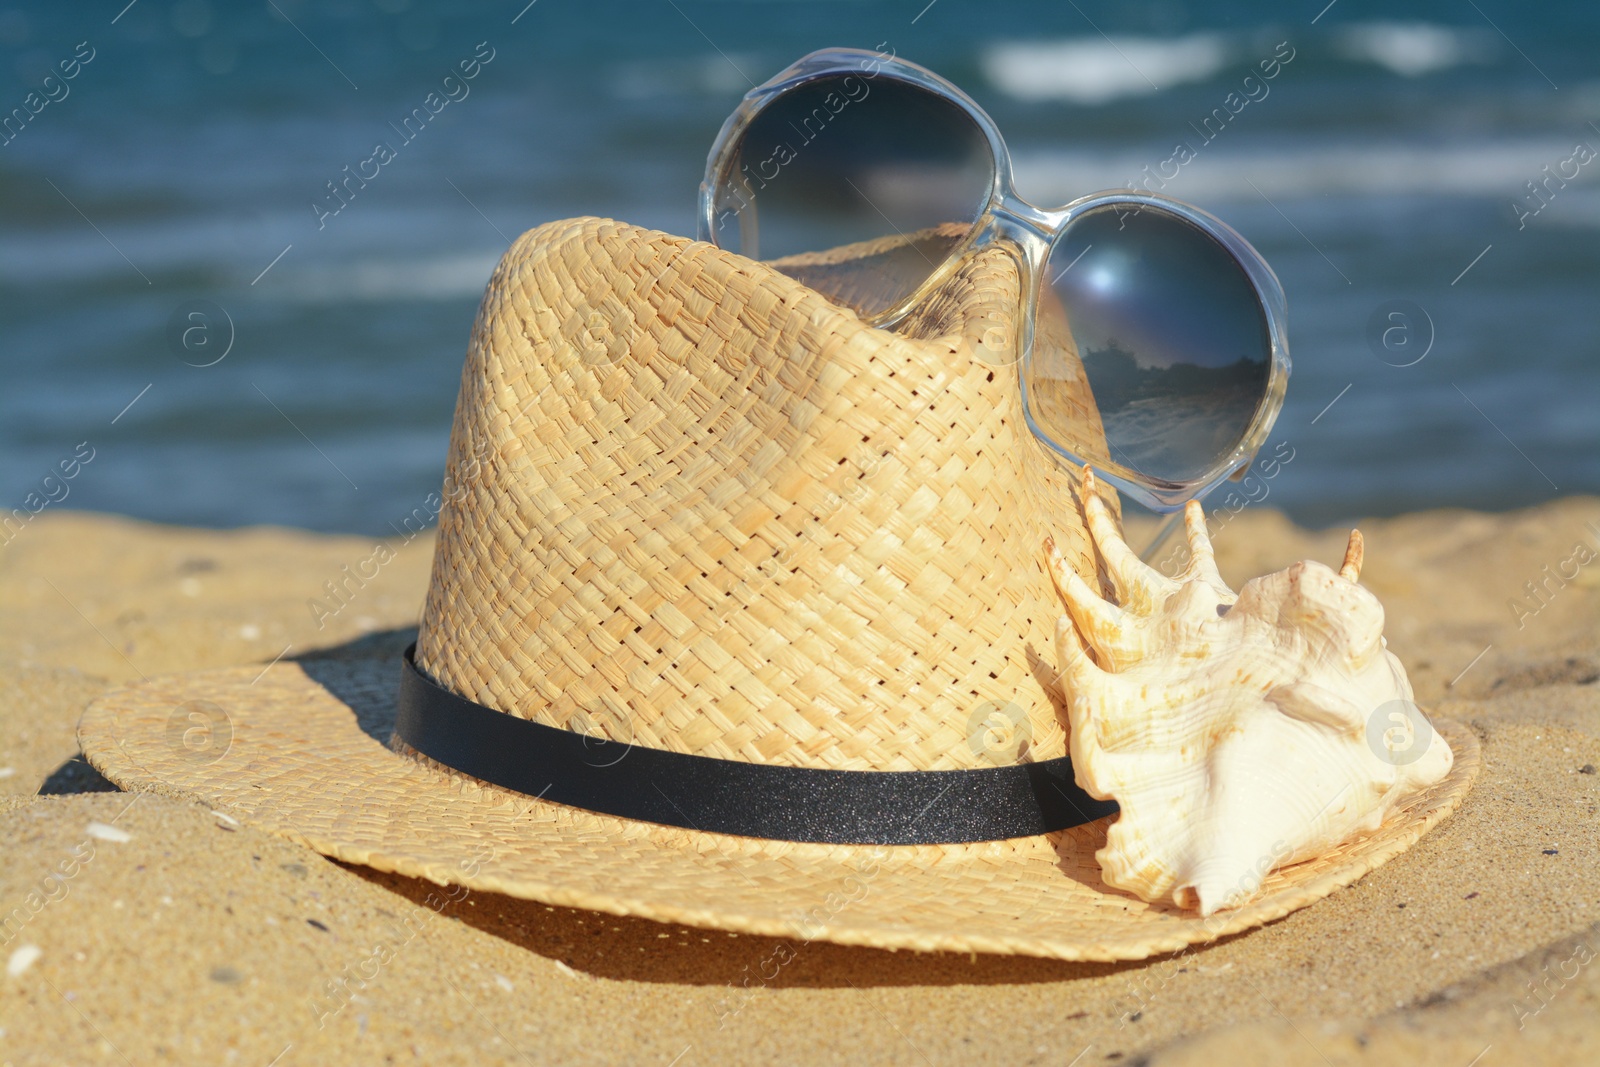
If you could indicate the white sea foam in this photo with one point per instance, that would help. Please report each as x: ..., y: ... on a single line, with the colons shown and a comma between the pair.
x: 1094, y: 70
x: 1413, y: 49
x: 1577, y: 208
x: 445, y: 277
x: 1465, y: 168
x: 713, y: 75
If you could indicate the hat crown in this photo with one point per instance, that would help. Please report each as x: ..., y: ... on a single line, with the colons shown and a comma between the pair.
x: 691, y: 504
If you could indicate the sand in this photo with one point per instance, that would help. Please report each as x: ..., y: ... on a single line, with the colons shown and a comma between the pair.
x: 171, y: 934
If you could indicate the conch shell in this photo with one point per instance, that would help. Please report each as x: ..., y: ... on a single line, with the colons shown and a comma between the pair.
x: 1238, y: 733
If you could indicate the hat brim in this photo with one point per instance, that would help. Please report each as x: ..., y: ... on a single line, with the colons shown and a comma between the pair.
x: 300, y: 750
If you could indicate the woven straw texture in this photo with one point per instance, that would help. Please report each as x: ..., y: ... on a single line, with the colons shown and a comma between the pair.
x: 874, y: 274
x: 698, y: 507
x: 871, y: 276
x: 694, y: 505
x: 307, y: 760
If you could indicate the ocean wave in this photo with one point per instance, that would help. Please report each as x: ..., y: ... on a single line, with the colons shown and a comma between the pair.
x: 68, y: 257
x: 713, y: 75
x: 1575, y: 208
x: 444, y: 277
x: 1095, y: 70
x: 1413, y: 49
x: 1467, y: 168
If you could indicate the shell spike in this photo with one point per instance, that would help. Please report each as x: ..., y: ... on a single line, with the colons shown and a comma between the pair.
x: 1100, y: 622
x: 1137, y: 585
x: 1078, y: 670
x: 1202, y: 558
x: 1354, y: 554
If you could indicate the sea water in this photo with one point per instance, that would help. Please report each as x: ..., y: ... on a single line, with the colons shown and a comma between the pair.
x: 241, y: 247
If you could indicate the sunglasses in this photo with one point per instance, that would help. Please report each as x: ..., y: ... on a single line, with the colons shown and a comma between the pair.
x: 872, y: 180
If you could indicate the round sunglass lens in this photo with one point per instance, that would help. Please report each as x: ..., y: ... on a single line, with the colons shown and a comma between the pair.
x: 1171, y: 338
x: 858, y: 184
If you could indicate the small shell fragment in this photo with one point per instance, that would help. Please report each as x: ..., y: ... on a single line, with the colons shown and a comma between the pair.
x: 23, y: 957
x: 105, y: 832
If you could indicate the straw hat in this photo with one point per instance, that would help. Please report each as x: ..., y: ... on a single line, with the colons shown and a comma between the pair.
x: 698, y: 516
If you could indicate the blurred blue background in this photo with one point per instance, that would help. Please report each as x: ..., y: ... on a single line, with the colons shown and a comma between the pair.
x: 182, y: 160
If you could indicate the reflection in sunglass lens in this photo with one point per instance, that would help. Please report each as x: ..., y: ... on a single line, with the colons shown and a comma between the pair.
x: 858, y: 184
x: 1170, y: 335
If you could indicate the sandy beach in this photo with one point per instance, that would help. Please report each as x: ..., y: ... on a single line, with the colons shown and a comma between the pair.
x: 142, y: 928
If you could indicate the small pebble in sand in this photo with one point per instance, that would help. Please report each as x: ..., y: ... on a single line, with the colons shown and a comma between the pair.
x: 103, y: 832
x: 1587, y: 768
x: 7, y: 772
x: 250, y: 631
x: 22, y: 958
x: 503, y: 982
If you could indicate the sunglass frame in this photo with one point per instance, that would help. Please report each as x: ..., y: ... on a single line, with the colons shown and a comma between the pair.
x: 1031, y: 233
